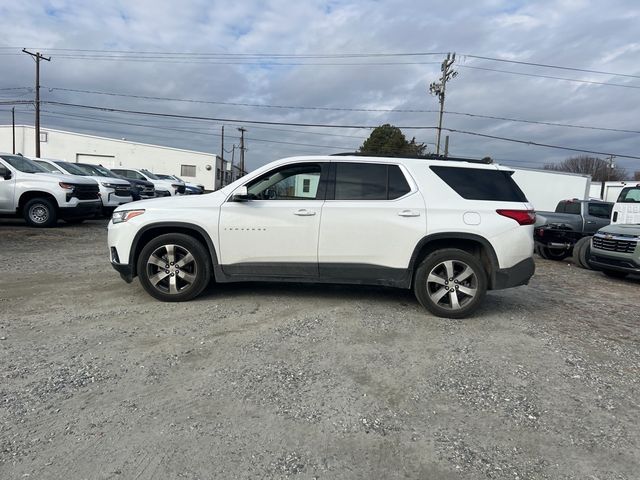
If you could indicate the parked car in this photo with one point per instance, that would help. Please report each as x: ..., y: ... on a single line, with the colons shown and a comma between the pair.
x: 615, y: 250
x: 140, y: 189
x: 41, y: 197
x: 450, y: 230
x: 113, y: 191
x: 190, y: 188
x: 164, y: 188
x: 568, y: 230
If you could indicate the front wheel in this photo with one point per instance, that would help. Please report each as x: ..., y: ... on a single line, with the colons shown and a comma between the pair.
x: 40, y: 212
x: 174, y: 267
x: 450, y: 283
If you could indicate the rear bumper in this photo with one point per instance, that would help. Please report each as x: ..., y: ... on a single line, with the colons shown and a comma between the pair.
x: 519, y: 274
x: 82, y: 209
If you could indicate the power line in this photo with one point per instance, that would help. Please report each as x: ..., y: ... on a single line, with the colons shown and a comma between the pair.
x: 223, y: 55
x: 338, y: 109
x: 546, y: 65
x: 211, y: 134
x: 237, y: 104
x: 321, y: 125
x: 591, y: 82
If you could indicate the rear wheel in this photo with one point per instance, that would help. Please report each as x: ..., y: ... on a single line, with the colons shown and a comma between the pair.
x: 174, y: 267
x: 450, y: 283
x: 553, y: 253
x: 40, y: 212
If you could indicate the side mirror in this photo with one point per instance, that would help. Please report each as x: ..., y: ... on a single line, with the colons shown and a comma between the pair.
x: 5, y: 173
x: 240, y: 194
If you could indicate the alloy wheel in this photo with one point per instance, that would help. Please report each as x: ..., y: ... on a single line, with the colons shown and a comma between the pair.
x: 452, y: 284
x: 171, y: 269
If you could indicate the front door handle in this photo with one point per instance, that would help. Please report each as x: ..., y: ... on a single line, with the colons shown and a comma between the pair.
x: 590, y: 222
x: 409, y: 213
x: 303, y: 212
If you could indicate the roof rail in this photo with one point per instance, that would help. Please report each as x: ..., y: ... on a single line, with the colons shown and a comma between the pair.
x: 429, y: 156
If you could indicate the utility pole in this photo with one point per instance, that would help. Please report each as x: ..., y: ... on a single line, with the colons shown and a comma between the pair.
x: 439, y: 88
x: 222, y: 145
x: 13, y: 128
x: 609, y: 170
x: 37, y: 57
x: 242, y: 130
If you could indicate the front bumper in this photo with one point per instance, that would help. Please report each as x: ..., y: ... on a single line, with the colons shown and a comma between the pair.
x: 599, y: 260
x: 85, y: 209
x: 113, y: 200
x: 519, y: 274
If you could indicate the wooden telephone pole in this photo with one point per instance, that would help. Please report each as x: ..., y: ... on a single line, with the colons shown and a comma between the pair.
x: 37, y: 57
x: 439, y: 88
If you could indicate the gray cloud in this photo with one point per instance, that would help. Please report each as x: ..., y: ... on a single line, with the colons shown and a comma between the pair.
x: 573, y: 33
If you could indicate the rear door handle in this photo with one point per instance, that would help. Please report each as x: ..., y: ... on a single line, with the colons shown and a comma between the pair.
x: 409, y: 213
x: 303, y: 212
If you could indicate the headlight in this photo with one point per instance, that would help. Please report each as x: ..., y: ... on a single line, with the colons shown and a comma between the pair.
x: 111, y: 185
x: 124, y: 215
x: 67, y: 186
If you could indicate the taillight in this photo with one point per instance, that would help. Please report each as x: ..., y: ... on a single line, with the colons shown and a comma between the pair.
x: 523, y: 217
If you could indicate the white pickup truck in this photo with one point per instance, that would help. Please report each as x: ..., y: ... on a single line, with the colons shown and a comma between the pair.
x: 41, y: 197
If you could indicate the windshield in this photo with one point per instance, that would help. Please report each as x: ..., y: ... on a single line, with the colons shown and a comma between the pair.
x: 629, y: 195
x: 150, y: 175
x: 71, y: 168
x: 23, y: 164
x: 48, y: 167
x: 90, y: 170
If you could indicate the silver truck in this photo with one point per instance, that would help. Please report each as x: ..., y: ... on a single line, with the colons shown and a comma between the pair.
x: 28, y: 190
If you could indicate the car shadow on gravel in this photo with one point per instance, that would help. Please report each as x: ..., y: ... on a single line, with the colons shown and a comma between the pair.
x: 310, y: 291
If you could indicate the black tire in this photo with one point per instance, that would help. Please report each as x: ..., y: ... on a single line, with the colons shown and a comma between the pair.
x: 539, y: 250
x: 173, y: 282
x: 585, y: 253
x: 553, y: 253
x: 40, y: 212
x: 74, y: 221
x: 615, y: 274
x: 431, y: 282
x: 580, y: 250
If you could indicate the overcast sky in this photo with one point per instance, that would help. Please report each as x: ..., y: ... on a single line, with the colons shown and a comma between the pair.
x: 580, y: 34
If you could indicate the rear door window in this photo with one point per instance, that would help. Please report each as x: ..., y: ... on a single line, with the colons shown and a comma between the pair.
x: 369, y: 181
x: 601, y: 210
x: 481, y: 184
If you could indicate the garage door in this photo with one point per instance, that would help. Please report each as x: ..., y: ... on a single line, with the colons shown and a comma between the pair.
x: 108, y: 161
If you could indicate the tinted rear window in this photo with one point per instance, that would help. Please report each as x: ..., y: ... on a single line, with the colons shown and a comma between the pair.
x: 602, y: 210
x: 369, y: 181
x: 481, y: 184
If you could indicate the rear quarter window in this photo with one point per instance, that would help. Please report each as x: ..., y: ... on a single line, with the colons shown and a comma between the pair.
x: 481, y: 184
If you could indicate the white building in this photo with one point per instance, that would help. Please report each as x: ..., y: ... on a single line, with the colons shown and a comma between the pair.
x: 197, y: 167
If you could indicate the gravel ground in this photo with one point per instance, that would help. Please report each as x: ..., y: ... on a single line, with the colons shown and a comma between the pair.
x: 100, y: 381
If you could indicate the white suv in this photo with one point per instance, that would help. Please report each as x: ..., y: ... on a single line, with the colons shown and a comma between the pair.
x: 448, y: 229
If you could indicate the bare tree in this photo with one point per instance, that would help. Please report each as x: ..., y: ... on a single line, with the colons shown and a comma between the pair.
x: 599, y: 169
x: 636, y: 175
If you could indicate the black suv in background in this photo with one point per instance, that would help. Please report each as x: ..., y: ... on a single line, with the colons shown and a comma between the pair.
x: 140, y: 189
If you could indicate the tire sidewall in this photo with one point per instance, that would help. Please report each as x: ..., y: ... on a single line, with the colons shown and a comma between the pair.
x: 52, y: 217
x: 420, y: 282
x: 200, y: 254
